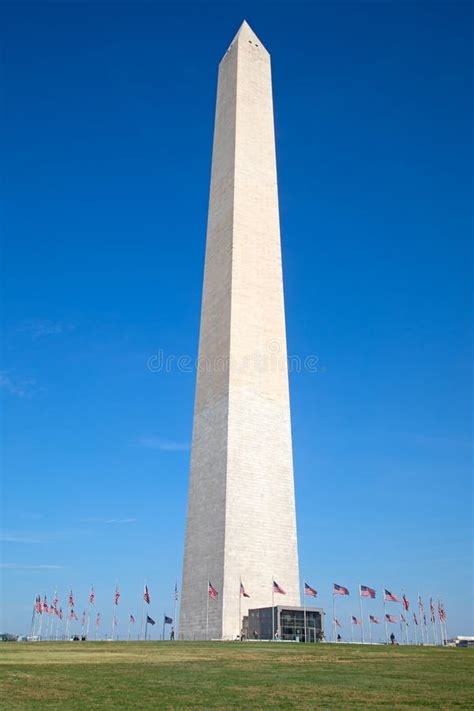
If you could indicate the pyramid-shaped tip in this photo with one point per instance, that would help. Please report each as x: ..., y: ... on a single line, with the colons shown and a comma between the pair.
x: 245, y: 33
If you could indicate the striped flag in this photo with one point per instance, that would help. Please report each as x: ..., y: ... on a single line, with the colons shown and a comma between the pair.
x: 167, y: 620
x: 242, y: 590
x: 415, y: 619
x: 309, y: 591
x: 146, y: 595
x: 71, y: 599
x: 211, y: 591
x: 374, y: 619
x: 432, y: 610
x: 367, y: 592
x: 117, y: 596
x: 150, y: 620
x: 337, y: 623
x: 132, y: 620
x: 38, y: 604
x: 73, y: 615
x: 391, y: 618
x: 278, y: 589
x: 420, y: 604
x: 340, y: 590
x: 56, y: 600
x: 92, y: 596
x: 45, y: 604
x: 402, y: 618
x: 176, y: 594
x: 405, y: 602
x: 97, y: 619
x: 390, y: 597
x: 355, y: 621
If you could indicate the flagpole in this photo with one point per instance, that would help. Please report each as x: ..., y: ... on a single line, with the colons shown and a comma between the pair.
x: 352, y: 631
x: 207, y: 609
x: 370, y: 629
x: 163, y: 627
x: 333, y: 617
x: 32, y: 626
x: 129, y: 627
x: 361, y: 616
x: 385, y: 616
x: 432, y: 624
x: 89, y: 615
x: 113, y: 616
x: 140, y: 636
x: 273, y: 610
x: 146, y: 627
x: 416, y: 633
x: 304, y: 612
x: 421, y: 619
x: 175, y: 607
x: 40, y: 624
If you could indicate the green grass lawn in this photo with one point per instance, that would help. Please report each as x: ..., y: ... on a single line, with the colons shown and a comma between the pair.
x: 207, y: 675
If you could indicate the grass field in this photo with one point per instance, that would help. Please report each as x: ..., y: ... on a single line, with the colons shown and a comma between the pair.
x: 194, y: 675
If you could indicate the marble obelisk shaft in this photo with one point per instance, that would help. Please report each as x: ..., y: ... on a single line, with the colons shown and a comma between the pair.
x: 241, y: 520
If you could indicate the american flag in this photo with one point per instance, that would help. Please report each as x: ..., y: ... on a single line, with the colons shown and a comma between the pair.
x: 402, y: 618
x: 441, y: 612
x: 73, y: 615
x: 45, y: 605
x: 337, y: 623
x: 117, y: 596
x: 391, y: 618
x: 242, y: 590
x: 211, y: 591
x: 339, y: 590
x: 367, y: 592
x: 56, y: 600
x: 146, y: 595
x: 308, y: 590
x: 176, y: 594
x: 97, y: 619
x: 92, y: 596
x: 278, y: 589
x: 390, y: 597
x: 420, y: 604
x: 132, y: 619
x: 405, y: 602
x: 71, y: 599
x: 51, y: 610
x: 374, y: 619
x: 424, y: 619
x: 415, y: 619
x: 355, y: 621
x: 432, y: 610
x: 150, y: 620
x: 38, y: 604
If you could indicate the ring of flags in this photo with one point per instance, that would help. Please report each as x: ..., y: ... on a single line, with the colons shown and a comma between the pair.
x: 41, y: 607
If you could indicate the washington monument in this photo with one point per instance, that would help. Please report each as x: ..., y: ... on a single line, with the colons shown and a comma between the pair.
x: 241, y: 524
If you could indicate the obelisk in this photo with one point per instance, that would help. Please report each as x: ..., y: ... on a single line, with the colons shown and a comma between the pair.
x: 241, y: 523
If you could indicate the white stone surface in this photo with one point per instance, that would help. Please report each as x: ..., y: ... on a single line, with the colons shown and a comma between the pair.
x: 241, y: 513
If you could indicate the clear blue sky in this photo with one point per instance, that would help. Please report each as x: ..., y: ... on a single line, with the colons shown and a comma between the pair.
x: 107, y: 127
